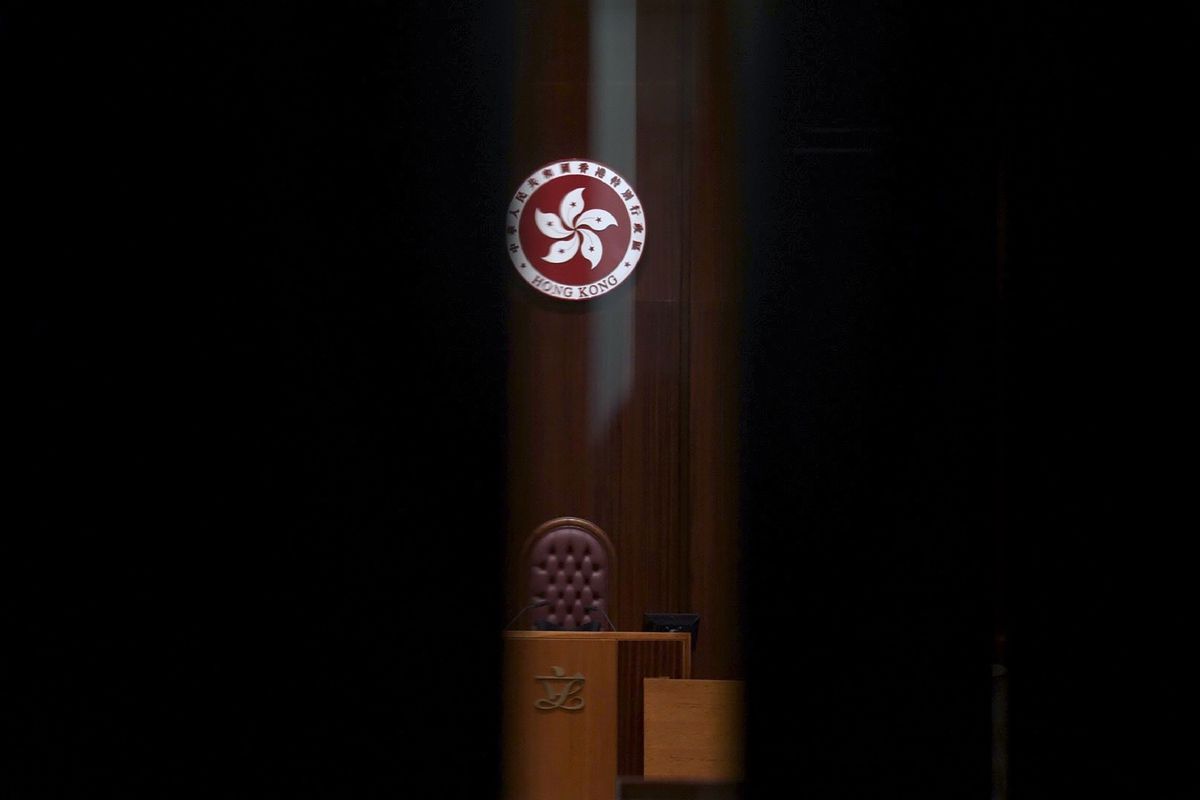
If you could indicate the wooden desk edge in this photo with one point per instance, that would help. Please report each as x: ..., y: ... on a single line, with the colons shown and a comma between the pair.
x: 630, y: 635
x: 625, y: 636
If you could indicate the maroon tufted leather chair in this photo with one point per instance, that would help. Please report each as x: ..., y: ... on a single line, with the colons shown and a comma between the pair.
x: 570, y: 562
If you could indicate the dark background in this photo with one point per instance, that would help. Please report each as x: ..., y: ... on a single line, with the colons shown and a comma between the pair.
x: 264, y: 383
x: 261, y: 375
x: 966, y: 213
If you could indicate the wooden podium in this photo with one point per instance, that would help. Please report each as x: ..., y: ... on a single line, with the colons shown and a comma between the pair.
x: 573, y: 708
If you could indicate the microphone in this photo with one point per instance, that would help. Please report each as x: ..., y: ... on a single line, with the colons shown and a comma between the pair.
x: 590, y: 609
x: 534, y: 604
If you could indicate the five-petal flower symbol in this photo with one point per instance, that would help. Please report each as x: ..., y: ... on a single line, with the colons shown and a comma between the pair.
x: 573, y: 227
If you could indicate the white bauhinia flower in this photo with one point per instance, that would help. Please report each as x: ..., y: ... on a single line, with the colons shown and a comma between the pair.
x: 575, y: 228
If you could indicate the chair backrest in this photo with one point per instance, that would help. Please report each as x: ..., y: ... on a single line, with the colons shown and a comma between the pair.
x: 570, y: 563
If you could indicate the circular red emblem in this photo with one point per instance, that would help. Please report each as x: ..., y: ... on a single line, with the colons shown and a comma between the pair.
x: 575, y: 229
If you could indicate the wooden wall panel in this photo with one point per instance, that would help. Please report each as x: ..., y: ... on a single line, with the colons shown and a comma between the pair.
x: 650, y: 458
x: 548, y: 342
x: 712, y: 342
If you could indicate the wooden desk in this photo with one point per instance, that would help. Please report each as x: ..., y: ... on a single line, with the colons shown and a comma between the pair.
x: 568, y: 732
x: 694, y: 729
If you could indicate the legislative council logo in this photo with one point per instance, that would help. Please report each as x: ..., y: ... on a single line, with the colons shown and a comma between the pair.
x: 575, y: 229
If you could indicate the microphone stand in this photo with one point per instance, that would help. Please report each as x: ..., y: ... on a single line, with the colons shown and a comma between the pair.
x: 590, y: 609
x: 534, y: 604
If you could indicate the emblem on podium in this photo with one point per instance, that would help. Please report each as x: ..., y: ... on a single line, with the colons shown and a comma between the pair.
x: 562, y: 691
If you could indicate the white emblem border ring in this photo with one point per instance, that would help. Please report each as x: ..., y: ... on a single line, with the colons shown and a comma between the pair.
x: 526, y: 267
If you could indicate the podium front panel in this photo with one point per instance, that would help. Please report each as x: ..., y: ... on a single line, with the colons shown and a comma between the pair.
x: 560, y: 717
x: 569, y: 732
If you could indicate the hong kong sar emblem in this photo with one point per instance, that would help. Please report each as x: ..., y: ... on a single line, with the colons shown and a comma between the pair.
x: 575, y: 229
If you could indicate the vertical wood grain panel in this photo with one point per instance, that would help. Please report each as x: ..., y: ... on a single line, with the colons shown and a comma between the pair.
x: 712, y: 328
x: 547, y: 339
x: 656, y: 471
x: 636, y: 661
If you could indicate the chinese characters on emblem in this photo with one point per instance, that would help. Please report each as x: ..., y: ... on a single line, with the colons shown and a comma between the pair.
x: 568, y: 226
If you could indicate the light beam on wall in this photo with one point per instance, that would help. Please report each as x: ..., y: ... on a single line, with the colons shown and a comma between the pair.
x: 612, y: 132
